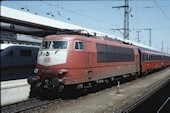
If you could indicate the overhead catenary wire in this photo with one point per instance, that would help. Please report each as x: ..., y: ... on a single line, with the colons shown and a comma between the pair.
x: 161, y: 10
x: 39, y: 11
x: 93, y: 18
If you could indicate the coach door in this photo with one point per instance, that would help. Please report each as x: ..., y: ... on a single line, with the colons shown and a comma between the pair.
x: 89, y: 59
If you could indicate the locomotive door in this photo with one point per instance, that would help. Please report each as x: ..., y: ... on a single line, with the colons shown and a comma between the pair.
x: 89, y: 61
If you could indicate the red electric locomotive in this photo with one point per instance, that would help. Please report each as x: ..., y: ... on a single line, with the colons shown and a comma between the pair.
x: 74, y: 59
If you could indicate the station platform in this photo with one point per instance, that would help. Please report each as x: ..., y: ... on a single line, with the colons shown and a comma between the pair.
x: 14, y: 91
x: 109, y: 101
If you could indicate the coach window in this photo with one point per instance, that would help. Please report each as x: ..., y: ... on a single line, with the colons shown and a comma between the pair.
x: 142, y: 59
x: 79, y: 45
x: 147, y: 57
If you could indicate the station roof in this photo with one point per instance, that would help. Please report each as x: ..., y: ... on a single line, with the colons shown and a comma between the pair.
x: 30, y: 24
x: 26, y: 23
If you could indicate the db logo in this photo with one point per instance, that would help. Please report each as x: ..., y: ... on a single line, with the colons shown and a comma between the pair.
x: 47, y: 60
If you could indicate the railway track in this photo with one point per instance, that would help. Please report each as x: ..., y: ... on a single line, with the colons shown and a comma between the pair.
x: 135, y: 102
x: 31, y: 105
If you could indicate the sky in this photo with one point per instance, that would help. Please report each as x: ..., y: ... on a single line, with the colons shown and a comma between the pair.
x: 99, y: 15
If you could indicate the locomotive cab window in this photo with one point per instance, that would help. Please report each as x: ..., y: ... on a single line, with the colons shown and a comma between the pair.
x: 59, y: 44
x: 78, y: 45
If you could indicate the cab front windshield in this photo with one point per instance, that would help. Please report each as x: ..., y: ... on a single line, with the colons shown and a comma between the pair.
x: 54, y: 45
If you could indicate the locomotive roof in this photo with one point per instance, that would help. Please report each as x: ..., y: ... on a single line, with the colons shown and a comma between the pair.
x: 52, y: 37
x: 4, y: 46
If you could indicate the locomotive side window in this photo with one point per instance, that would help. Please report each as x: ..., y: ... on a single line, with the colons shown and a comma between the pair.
x: 108, y: 53
x: 79, y: 45
x: 102, y: 53
x: 25, y: 53
x: 76, y: 45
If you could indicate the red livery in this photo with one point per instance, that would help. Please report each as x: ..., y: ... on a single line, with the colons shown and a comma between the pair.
x: 152, y: 60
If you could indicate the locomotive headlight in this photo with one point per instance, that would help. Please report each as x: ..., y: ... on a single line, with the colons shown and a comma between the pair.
x: 62, y: 71
x: 36, y: 70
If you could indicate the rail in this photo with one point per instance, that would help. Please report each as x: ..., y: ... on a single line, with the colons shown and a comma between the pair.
x: 27, y: 105
x: 134, y: 103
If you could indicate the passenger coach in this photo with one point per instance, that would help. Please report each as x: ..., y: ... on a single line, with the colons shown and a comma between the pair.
x: 151, y: 60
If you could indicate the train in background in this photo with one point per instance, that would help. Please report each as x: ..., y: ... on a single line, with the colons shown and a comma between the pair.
x: 17, y: 61
x: 80, y: 60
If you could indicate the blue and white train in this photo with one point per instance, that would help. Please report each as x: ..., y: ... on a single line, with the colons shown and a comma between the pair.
x: 17, y: 61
